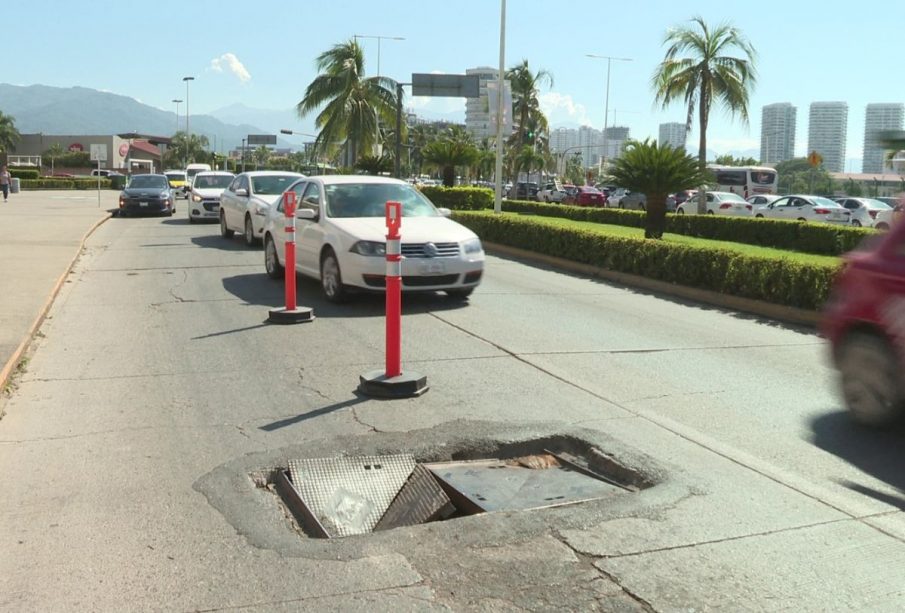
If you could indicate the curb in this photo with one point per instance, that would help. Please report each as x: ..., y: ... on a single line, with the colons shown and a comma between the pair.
x: 786, y: 314
x: 10, y: 366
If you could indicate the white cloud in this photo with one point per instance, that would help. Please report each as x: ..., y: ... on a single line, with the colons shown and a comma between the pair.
x: 561, y: 108
x: 231, y: 63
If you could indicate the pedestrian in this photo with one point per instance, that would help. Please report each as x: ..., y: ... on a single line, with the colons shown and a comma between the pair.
x: 5, y: 181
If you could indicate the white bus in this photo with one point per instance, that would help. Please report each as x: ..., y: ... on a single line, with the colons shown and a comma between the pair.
x: 745, y: 180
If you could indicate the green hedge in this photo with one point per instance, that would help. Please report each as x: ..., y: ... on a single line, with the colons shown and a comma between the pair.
x: 778, y: 281
x: 820, y: 238
x: 63, y: 184
x: 25, y: 173
x: 459, y: 198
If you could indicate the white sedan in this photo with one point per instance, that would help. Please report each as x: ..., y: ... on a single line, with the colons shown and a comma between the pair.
x: 204, y: 201
x: 865, y: 211
x: 718, y: 203
x: 805, y: 208
x: 341, y: 238
x: 244, y: 204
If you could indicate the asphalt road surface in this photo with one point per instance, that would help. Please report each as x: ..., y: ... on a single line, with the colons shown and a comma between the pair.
x: 157, y: 394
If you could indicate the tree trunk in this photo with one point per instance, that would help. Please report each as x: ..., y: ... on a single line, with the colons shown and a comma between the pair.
x: 449, y: 176
x: 703, y: 111
x: 655, y: 220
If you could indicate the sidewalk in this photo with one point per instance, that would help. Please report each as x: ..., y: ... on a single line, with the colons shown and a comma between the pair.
x: 43, y: 231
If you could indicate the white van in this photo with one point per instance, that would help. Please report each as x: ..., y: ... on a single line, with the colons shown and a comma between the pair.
x: 192, y: 169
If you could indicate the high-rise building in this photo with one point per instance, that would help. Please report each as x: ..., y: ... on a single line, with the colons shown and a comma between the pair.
x: 477, y: 113
x: 673, y: 134
x: 615, y: 141
x: 827, y: 129
x: 777, y: 133
x: 878, y: 117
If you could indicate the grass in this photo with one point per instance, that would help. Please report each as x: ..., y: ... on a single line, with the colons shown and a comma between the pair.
x: 628, y: 232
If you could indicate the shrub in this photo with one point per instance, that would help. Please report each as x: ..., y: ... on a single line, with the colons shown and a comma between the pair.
x: 459, y: 198
x: 24, y: 173
x: 64, y: 183
x: 782, y: 282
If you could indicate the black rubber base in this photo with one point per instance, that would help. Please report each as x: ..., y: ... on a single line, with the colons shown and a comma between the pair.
x: 407, y: 385
x: 298, y: 315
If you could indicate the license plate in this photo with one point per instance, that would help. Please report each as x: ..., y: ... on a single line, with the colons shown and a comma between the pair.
x: 142, y: 203
x: 432, y: 268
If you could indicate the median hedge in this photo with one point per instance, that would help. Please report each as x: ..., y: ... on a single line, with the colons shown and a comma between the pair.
x: 24, y: 173
x: 782, y: 282
x: 63, y: 184
x: 459, y: 198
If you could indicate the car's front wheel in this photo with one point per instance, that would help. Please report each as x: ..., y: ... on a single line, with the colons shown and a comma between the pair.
x: 680, y: 211
x: 459, y: 294
x: 759, y: 216
x: 272, y: 264
x: 331, y: 278
x: 882, y: 226
x: 870, y: 379
x: 249, y: 233
x: 225, y: 232
x: 856, y: 223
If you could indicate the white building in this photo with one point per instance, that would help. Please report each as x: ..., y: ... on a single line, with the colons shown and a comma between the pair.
x: 879, y: 117
x: 673, y: 134
x: 777, y: 132
x: 827, y: 129
x: 477, y: 113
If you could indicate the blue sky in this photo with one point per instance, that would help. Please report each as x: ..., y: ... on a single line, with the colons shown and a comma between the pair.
x: 261, y: 53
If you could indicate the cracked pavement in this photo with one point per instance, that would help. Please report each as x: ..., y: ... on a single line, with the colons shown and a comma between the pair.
x: 156, y: 397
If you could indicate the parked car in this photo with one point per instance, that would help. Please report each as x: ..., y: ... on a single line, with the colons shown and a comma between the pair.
x: 523, y: 191
x: 864, y: 321
x: 885, y: 219
x: 341, y: 238
x: 674, y: 200
x: 552, y: 192
x: 718, y: 203
x: 244, y: 203
x: 864, y: 210
x: 760, y: 200
x: 178, y: 182
x: 615, y: 196
x: 571, y: 194
x: 146, y: 195
x: 586, y: 195
x: 891, y: 201
x: 206, y: 189
x: 633, y: 200
x: 805, y: 208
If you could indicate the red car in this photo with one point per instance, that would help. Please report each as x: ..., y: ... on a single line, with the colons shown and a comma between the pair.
x: 864, y: 320
x: 588, y: 196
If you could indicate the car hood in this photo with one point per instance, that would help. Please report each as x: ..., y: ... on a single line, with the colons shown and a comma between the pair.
x: 413, y: 230
x: 268, y: 200
x: 211, y: 192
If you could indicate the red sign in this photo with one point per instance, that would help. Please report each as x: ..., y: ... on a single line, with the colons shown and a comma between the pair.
x: 123, y: 150
x: 76, y: 147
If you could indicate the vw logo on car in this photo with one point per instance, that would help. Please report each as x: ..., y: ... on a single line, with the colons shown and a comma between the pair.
x: 430, y: 250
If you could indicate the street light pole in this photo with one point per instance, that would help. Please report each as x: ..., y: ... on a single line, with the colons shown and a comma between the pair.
x: 606, y: 112
x: 177, y: 113
x: 379, y: 38
x: 498, y: 168
x: 188, y: 133
x: 286, y: 131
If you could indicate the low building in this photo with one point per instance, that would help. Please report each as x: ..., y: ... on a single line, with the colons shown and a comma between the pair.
x: 127, y: 153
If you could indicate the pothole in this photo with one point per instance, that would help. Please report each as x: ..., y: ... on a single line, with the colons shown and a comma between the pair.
x: 333, y: 497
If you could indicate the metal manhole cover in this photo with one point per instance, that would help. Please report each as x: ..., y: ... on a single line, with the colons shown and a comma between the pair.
x: 349, y: 495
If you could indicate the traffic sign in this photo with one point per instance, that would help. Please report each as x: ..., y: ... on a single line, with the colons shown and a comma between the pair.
x: 262, y: 139
x: 98, y: 153
x: 445, y: 85
x: 815, y: 159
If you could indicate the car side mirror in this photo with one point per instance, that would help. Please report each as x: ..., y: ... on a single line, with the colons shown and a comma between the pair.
x: 444, y: 212
x: 307, y: 214
x: 242, y: 192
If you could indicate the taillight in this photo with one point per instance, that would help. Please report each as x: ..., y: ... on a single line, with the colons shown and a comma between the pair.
x: 873, y: 214
x: 821, y: 211
x: 725, y: 205
x: 749, y: 207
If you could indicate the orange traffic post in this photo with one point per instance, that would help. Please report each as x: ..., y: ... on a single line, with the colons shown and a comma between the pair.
x: 291, y: 313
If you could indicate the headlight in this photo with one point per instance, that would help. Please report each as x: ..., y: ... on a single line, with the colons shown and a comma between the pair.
x: 196, y: 198
x: 473, y: 246
x: 370, y: 248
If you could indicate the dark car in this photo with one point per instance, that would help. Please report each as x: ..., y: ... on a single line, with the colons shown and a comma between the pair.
x: 864, y: 320
x: 146, y: 195
x: 523, y: 191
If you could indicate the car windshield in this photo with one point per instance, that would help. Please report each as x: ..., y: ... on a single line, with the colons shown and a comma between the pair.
x: 821, y: 201
x: 212, y: 181
x: 149, y: 181
x: 271, y: 185
x: 369, y: 200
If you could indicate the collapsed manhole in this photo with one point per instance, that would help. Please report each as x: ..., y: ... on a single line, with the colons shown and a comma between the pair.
x: 345, y: 496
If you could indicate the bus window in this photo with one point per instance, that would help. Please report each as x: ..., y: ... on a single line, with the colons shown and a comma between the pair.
x: 738, y: 178
x: 761, y: 177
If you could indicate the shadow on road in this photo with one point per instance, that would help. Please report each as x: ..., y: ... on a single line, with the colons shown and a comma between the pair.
x: 878, y: 452
x: 176, y: 221
x: 259, y: 289
x: 289, y: 421
x: 215, y: 241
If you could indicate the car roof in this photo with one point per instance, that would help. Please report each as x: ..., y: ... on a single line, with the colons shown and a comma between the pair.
x: 220, y: 173
x: 270, y: 173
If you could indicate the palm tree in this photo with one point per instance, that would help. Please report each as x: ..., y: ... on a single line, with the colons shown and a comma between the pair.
x: 708, y: 74
x: 447, y: 154
x: 53, y: 152
x: 261, y: 155
x: 185, y: 149
x: 655, y: 171
x: 374, y: 165
x: 9, y: 135
x: 525, y: 104
x: 352, y: 104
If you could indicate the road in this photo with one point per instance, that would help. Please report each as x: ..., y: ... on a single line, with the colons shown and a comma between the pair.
x: 157, y: 393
